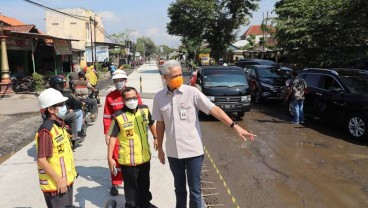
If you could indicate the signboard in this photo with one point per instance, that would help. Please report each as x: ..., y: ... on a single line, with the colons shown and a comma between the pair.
x: 62, y: 47
x: 19, y: 44
x: 102, y: 54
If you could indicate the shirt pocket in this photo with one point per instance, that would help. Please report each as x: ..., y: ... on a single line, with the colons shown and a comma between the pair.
x: 190, y: 110
x: 166, y: 111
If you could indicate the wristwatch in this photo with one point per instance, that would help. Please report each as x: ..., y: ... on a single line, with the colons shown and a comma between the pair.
x: 232, y: 124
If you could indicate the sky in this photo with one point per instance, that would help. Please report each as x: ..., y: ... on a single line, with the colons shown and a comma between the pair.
x: 145, y: 17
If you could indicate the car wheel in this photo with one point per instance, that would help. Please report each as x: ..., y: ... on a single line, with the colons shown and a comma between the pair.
x: 258, y: 96
x: 240, y: 114
x: 357, y: 125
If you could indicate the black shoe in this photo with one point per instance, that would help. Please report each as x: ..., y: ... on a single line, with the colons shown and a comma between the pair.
x: 114, y: 190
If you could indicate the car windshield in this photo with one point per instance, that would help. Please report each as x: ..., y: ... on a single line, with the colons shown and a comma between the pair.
x: 271, y: 72
x: 356, y: 84
x: 224, y: 79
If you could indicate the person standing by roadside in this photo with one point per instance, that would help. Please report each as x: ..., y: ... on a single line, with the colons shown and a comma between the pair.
x: 297, y: 86
x: 113, y: 103
x: 129, y: 130
x: 175, y: 109
x: 56, y: 169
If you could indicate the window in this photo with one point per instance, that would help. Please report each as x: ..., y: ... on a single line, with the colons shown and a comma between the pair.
x: 87, y: 30
x: 312, y: 79
x: 330, y: 83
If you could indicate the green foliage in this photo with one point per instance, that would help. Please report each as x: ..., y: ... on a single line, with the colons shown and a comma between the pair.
x: 215, y: 22
x: 126, y: 66
x: 163, y: 50
x: 329, y: 33
x: 39, y: 82
x: 145, y: 46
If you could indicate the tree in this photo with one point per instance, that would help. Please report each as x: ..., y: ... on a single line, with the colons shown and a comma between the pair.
x: 122, y: 37
x: 215, y: 22
x: 164, y: 50
x: 322, y: 33
x: 145, y: 46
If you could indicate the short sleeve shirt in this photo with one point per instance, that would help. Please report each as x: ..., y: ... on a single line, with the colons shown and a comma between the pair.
x: 179, y: 111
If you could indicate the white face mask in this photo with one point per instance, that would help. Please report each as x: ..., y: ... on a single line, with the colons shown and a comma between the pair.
x: 132, y: 104
x: 119, y: 85
x: 62, y: 111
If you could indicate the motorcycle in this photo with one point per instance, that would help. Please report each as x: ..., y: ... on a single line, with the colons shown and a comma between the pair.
x: 25, y: 84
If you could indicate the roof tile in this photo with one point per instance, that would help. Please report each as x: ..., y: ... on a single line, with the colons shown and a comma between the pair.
x: 10, y: 21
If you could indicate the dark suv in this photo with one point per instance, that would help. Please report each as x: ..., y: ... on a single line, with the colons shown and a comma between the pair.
x: 227, y: 87
x: 246, y: 62
x: 338, y: 95
x: 266, y: 82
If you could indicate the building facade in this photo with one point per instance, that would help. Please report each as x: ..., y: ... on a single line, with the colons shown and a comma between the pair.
x: 80, y: 24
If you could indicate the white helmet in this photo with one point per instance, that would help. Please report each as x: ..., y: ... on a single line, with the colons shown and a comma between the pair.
x: 50, y: 97
x: 119, y: 74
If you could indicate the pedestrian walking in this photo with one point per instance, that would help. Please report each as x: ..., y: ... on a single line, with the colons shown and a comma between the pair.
x: 129, y: 130
x: 113, y: 103
x: 56, y: 169
x: 298, y: 86
x: 175, y: 110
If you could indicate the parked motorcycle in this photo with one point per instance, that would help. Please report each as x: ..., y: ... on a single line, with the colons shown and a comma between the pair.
x: 25, y: 84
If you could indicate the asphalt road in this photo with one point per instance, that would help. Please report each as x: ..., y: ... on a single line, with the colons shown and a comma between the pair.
x: 311, y: 165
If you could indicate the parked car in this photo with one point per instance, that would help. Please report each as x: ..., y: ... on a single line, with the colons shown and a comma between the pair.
x: 242, y: 63
x: 338, y: 95
x: 265, y: 82
x: 227, y: 87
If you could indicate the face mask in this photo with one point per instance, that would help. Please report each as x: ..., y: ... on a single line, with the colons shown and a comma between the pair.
x: 62, y: 111
x: 119, y: 85
x: 176, y: 82
x: 132, y: 104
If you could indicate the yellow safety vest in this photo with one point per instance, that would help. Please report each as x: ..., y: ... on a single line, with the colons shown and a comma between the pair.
x: 62, y: 160
x: 134, y: 148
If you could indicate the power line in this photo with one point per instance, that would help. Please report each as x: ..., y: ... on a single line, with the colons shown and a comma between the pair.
x: 57, y: 11
x: 84, y: 18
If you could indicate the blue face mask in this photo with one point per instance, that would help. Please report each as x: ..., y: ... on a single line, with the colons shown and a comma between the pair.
x: 62, y: 111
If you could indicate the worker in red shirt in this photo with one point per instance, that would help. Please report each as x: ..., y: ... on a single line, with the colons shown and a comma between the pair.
x: 114, y: 102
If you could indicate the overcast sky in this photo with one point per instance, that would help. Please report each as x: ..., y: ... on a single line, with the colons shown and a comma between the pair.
x: 146, y: 17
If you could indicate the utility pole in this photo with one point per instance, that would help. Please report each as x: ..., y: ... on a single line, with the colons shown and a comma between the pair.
x: 263, y: 32
x: 90, y: 29
x: 95, y: 24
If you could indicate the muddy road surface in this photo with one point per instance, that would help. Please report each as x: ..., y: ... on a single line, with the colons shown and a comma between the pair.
x: 311, y: 165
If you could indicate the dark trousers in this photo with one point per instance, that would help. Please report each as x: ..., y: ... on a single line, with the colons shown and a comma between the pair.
x: 137, y: 185
x: 193, y: 167
x: 60, y: 200
x: 93, y: 103
x: 71, y: 119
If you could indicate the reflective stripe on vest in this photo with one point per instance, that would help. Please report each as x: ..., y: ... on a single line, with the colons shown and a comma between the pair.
x: 134, y: 148
x: 62, y: 161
